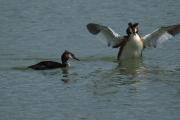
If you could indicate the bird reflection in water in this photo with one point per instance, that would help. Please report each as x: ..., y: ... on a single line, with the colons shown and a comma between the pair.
x: 65, y: 75
x: 130, y: 67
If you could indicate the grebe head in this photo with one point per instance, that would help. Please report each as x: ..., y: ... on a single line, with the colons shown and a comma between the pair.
x: 132, y: 28
x: 66, y: 56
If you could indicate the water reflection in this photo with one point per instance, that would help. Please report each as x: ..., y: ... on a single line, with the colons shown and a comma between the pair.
x: 130, y: 67
x: 125, y: 74
x: 61, y: 74
x: 65, y: 75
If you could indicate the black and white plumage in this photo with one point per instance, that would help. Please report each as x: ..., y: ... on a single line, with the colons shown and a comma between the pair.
x: 112, y: 38
x: 161, y: 35
x: 133, y: 44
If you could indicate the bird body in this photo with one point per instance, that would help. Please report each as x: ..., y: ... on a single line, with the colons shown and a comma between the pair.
x: 45, y: 65
x: 132, y: 45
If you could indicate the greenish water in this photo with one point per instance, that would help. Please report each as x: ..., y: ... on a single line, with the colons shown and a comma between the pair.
x: 97, y: 87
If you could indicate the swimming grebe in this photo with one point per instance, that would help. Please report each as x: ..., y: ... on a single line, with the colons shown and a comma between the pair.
x: 44, y: 65
x: 132, y: 45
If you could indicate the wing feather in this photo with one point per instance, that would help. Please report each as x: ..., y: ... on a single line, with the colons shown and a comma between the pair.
x: 112, y: 38
x: 160, y: 35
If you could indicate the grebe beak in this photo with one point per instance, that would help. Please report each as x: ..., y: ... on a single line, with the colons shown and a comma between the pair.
x: 74, y: 57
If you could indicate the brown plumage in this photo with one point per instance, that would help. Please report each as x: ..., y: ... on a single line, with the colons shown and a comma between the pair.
x: 45, y: 65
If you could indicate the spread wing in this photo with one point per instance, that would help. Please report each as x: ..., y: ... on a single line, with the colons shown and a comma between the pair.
x: 160, y: 35
x: 111, y: 37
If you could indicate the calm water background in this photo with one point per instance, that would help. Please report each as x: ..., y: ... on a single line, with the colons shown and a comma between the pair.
x: 96, y: 88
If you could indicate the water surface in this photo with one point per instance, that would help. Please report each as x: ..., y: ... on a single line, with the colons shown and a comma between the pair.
x: 97, y: 87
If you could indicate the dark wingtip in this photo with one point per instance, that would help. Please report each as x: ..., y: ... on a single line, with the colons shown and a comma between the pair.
x: 174, y: 30
x: 93, y: 28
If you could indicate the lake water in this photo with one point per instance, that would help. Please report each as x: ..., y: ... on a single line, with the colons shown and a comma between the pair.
x: 97, y: 87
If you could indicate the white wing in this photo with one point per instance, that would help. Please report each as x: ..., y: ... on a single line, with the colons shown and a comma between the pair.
x: 111, y: 37
x: 160, y: 35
